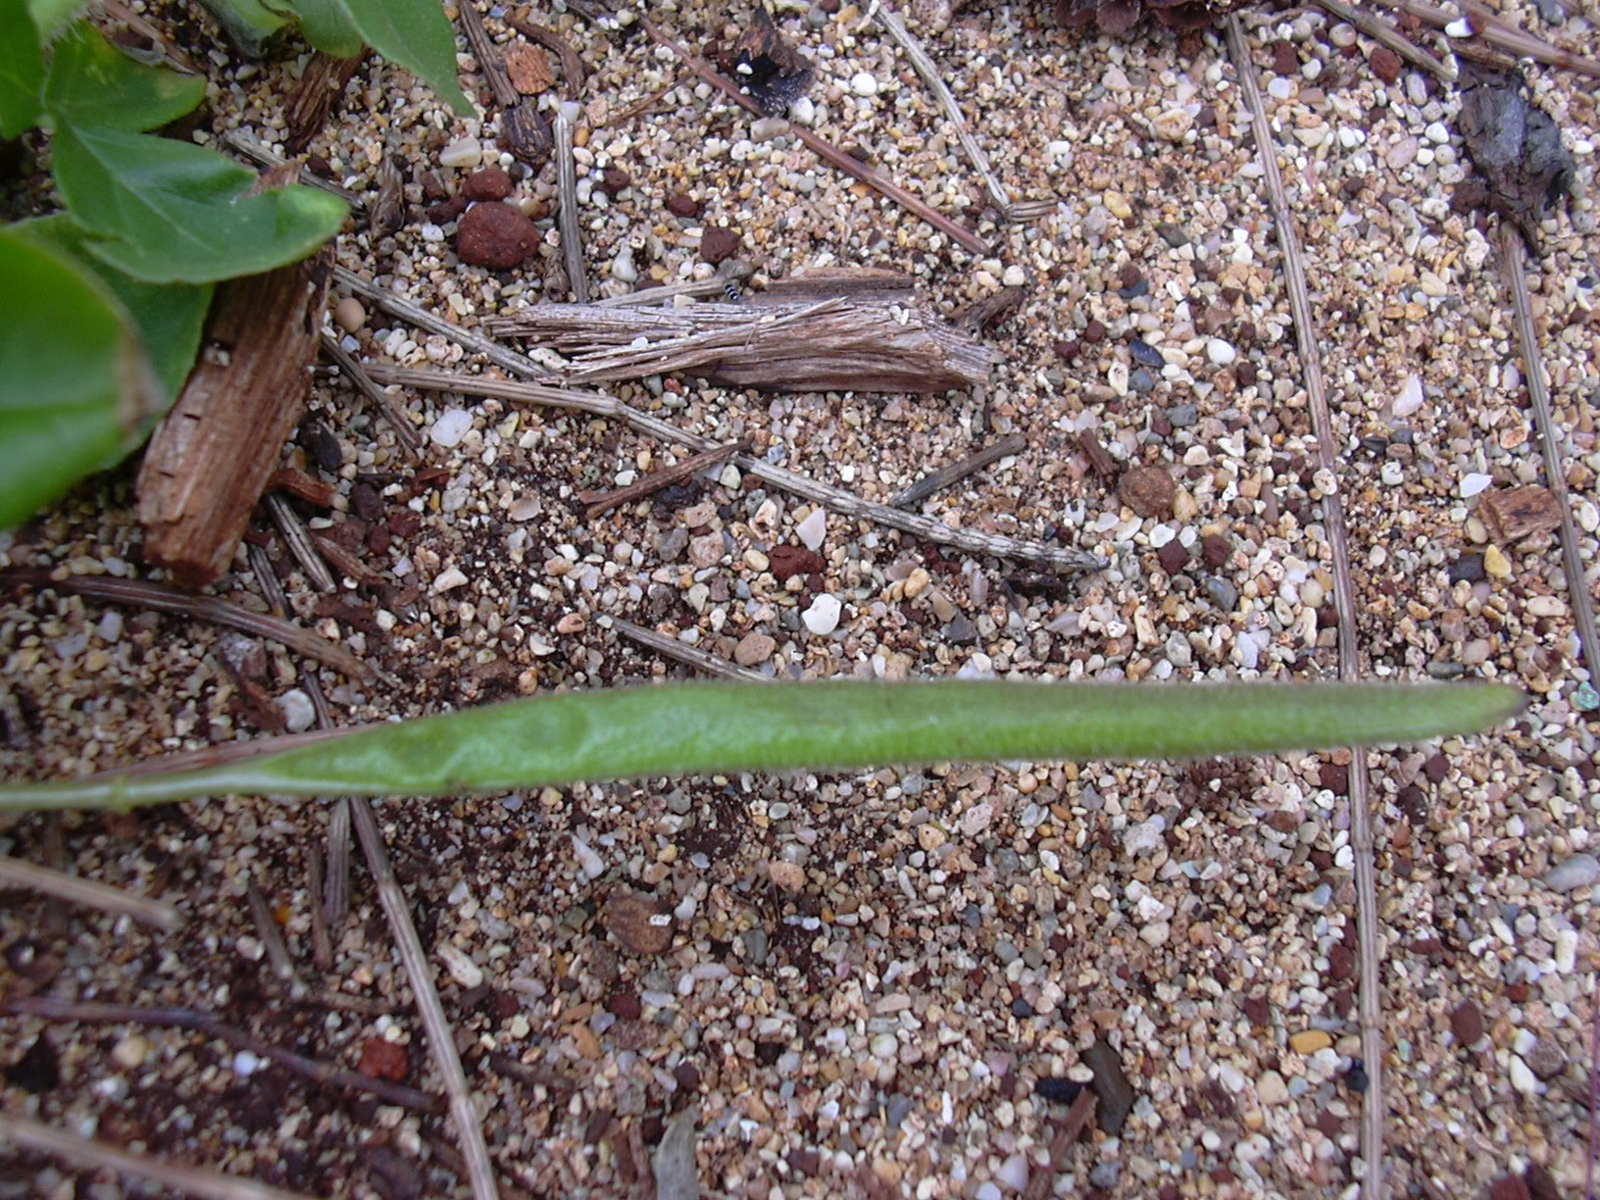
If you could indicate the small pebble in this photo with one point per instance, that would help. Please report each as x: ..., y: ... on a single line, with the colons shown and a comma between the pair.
x: 863, y: 83
x: 348, y: 314
x: 1496, y: 564
x: 1221, y: 353
x: 1579, y: 871
x: 462, y: 969
x: 1474, y: 483
x: 1309, y: 1041
x: 299, y: 714
x: 464, y: 152
x: 813, y: 529
x: 822, y: 618
x: 450, y: 428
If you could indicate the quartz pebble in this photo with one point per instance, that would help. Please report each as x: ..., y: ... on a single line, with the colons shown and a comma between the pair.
x: 450, y: 428
x: 822, y: 617
x: 464, y: 152
x: 813, y: 529
x: 1579, y: 871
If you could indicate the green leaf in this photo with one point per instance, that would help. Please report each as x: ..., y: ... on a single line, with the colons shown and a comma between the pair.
x: 723, y: 728
x: 91, y: 82
x: 248, y: 23
x: 174, y: 212
x: 413, y: 33
x: 328, y: 27
x: 21, y: 69
x: 170, y: 316
x: 74, y: 384
x: 50, y: 17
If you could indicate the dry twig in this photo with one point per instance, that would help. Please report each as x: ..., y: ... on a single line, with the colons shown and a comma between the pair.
x: 441, y: 1039
x: 1513, y: 254
x: 1500, y: 34
x: 832, y: 344
x: 298, y: 539
x: 526, y: 132
x: 246, y: 146
x: 1386, y: 34
x: 97, y: 1155
x: 1360, y: 799
x: 567, y: 202
x: 271, y: 938
x: 842, y: 502
x: 196, y: 1021
x: 689, y: 656
x: 937, y: 481
x: 15, y: 872
x: 139, y: 594
x: 404, y: 432
x: 600, y: 502
x: 829, y: 153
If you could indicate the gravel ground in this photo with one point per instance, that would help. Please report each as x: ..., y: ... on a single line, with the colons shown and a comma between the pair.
x: 889, y: 984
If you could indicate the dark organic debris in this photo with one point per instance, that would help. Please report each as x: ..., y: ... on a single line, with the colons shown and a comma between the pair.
x: 767, y: 69
x: 1120, y: 16
x: 1515, y: 146
x: 1110, y: 1084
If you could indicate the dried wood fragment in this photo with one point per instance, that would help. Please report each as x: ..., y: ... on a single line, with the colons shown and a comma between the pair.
x: 313, y: 98
x: 600, y: 502
x: 937, y: 481
x: 832, y: 345
x: 865, y: 284
x: 213, y: 454
x: 1100, y: 459
x: 297, y: 483
x: 1512, y: 514
x: 523, y: 128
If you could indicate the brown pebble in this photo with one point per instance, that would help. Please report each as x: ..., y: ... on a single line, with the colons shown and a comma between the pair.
x: 625, y: 1006
x: 448, y: 210
x: 1110, y: 1085
x: 616, y: 179
x: 717, y: 244
x: 753, y: 649
x: 491, y: 183
x: 495, y: 235
x: 1215, y: 551
x: 1149, y: 491
x: 1546, y: 1059
x: 1285, y: 61
x: 1257, y: 1010
x: 640, y: 922
x: 1100, y: 460
x: 1094, y: 332
x: 1245, y: 373
x: 383, y: 1060
x: 1385, y: 64
x: 1508, y: 1187
x: 1334, y: 776
x: 805, y: 1162
x: 687, y: 1076
x: 1341, y: 961
x: 786, y: 561
x: 1466, y: 1023
x: 1173, y: 557
x: 683, y: 206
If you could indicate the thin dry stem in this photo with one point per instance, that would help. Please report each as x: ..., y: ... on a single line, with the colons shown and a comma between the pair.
x: 937, y: 481
x: 1386, y: 34
x: 441, y: 1038
x: 690, y: 656
x: 567, y: 210
x: 197, y: 1021
x: 404, y: 432
x: 246, y: 146
x: 1513, y: 255
x: 300, y: 545
x: 138, y: 594
x: 95, y: 1155
x: 824, y: 150
x: 15, y: 872
x: 1360, y: 798
x: 929, y: 73
x: 601, y: 502
x: 1500, y: 34
x: 839, y: 501
x: 271, y: 938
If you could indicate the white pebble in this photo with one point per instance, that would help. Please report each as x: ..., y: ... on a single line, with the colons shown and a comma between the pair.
x: 1474, y: 483
x: 590, y: 863
x: 462, y: 969
x: 813, y: 529
x: 1522, y: 1077
x: 130, y: 1052
x: 1410, y: 398
x: 822, y: 617
x: 1458, y: 29
x: 1220, y: 353
x: 803, y: 111
x: 450, y: 428
x: 246, y: 1064
x: 1566, y: 951
x: 862, y: 83
x: 298, y: 712
x: 448, y: 579
x: 1145, y: 837
x: 464, y: 152
x: 883, y: 1045
x: 1013, y: 1173
x: 623, y: 269
x: 1014, y: 276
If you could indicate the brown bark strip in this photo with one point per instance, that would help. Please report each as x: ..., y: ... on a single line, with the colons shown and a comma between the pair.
x: 1099, y: 458
x: 346, y: 562
x: 211, y: 457
x: 297, y: 483
x: 1067, y: 1132
x: 600, y: 502
x: 313, y: 99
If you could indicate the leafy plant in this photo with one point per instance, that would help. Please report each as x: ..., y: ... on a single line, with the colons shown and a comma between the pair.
x: 102, y: 305
x: 704, y: 728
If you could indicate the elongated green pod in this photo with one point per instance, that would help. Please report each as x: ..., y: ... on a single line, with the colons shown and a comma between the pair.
x: 713, y: 727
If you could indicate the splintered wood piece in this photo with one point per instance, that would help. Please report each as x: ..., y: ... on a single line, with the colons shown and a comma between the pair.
x: 1512, y: 514
x: 832, y: 345
x: 211, y: 457
x: 313, y: 99
x: 847, y: 283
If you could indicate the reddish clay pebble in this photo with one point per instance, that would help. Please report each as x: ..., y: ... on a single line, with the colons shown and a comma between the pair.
x: 495, y: 235
x: 718, y: 244
x: 491, y: 183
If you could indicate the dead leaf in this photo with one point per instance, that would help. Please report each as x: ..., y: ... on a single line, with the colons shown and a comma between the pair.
x: 766, y: 68
x: 1516, y: 147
